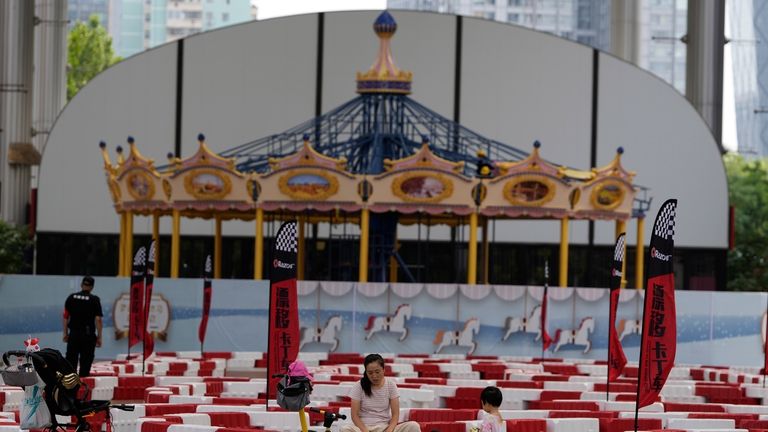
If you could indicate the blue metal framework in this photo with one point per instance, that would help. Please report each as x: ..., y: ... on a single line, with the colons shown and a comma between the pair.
x: 373, y: 127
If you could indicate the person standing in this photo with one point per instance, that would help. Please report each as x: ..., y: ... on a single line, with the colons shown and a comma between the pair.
x: 82, y: 326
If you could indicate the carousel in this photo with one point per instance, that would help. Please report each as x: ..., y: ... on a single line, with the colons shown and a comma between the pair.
x: 378, y: 161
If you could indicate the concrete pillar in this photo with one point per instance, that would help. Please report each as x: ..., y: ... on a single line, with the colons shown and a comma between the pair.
x: 627, y: 29
x: 704, y: 62
x: 50, y: 74
x: 17, y: 154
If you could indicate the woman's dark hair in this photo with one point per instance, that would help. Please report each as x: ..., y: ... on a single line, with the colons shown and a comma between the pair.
x: 365, y: 382
x: 492, y: 396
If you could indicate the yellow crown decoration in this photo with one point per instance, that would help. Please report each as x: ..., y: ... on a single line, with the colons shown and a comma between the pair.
x: 384, y: 76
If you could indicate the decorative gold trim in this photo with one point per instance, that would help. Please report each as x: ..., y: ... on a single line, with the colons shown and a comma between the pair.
x: 114, y: 188
x: 199, y: 191
x: 308, y: 194
x: 397, y: 187
x: 167, y: 188
x: 599, y: 189
x: 510, y: 185
x: 252, y: 185
x: 137, y: 194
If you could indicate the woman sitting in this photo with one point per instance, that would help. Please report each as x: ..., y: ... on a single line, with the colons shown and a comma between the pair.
x: 376, y: 402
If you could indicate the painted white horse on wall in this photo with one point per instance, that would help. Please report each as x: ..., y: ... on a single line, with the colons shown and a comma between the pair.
x: 323, y: 335
x: 532, y: 324
x: 464, y: 338
x: 629, y: 327
x: 390, y: 323
x: 578, y: 336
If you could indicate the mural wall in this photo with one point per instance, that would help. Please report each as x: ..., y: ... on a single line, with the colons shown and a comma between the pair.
x: 713, y: 327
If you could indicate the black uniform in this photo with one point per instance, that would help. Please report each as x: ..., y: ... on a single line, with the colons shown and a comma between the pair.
x: 82, y: 308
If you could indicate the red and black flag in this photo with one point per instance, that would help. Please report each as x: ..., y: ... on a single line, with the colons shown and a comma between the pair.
x: 149, y: 283
x: 283, y: 347
x: 616, y: 358
x: 546, y: 339
x: 136, y: 299
x: 207, y: 291
x: 659, y: 334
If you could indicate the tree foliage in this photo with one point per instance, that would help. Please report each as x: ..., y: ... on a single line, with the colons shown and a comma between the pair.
x: 14, y: 241
x: 748, y: 194
x: 90, y: 52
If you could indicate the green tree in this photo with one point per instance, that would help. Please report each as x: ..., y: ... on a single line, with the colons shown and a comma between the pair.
x: 90, y: 52
x: 748, y: 193
x: 14, y: 241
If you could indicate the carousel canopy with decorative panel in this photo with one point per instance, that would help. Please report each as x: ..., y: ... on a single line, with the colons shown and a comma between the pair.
x: 378, y: 160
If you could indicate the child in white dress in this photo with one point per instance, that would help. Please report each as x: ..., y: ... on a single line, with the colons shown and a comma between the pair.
x: 490, y: 418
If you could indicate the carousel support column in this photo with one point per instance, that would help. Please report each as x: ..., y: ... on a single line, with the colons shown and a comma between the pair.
x: 364, y: 228
x: 301, y: 256
x: 640, y: 258
x: 121, y: 247
x: 621, y: 227
x: 128, y: 243
x: 258, y: 248
x: 563, y: 277
x: 472, y: 255
x: 156, y: 238
x: 486, y: 251
x: 175, y: 244
x: 217, y: 249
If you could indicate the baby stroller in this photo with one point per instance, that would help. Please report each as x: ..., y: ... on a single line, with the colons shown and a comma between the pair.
x: 293, y: 391
x: 61, y: 389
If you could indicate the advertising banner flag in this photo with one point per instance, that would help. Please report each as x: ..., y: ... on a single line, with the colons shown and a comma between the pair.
x: 207, y: 292
x: 149, y: 283
x: 616, y: 358
x: 283, y: 346
x: 659, y: 333
x: 136, y: 299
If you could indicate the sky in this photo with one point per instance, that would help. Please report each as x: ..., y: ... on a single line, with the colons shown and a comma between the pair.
x: 277, y: 8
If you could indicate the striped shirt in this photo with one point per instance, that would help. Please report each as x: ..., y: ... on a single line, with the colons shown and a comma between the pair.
x: 375, y: 410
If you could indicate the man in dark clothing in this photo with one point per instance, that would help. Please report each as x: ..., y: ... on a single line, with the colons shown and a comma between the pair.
x: 82, y: 326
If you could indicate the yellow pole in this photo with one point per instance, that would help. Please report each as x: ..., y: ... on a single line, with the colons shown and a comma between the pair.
x: 121, y: 247
x: 217, y: 249
x: 175, y: 244
x: 303, y: 420
x: 472, y: 255
x: 156, y: 238
x: 128, y: 243
x: 302, y: 250
x: 563, y: 278
x: 258, y: 247
x: 486, y: 251
x: 621, y: 227
x: 640, y: 258
x: 363, y: 269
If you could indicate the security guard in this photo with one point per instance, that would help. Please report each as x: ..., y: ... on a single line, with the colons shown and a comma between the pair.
x: 82, y: 326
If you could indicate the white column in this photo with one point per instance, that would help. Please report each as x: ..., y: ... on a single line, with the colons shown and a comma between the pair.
x: 17, y: 153
x: 50, y: 74
x: 627, y: 29
x: 704, y: 61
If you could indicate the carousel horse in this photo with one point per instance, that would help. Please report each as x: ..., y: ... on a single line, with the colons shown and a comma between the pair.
x: 531, y: 324
x: 390, y: 323
x: 323, y: 335
x: 463, y: 338
x: 629, y: 327
x: 578, y: 336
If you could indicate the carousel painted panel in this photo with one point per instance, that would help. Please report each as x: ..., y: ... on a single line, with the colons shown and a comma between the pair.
x: 137, y: 188
x: 527, y: 195
x: 204, y: 187
x: 301, y: 188
x: 422, y: 190
x: 607, y: 198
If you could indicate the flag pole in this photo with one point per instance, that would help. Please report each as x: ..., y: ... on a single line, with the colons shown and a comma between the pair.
x: 546, y: 285
x: 640, y: 364
x: 765, y: 352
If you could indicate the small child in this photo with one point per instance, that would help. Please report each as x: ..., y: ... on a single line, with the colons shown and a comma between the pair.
x: 490, y: 398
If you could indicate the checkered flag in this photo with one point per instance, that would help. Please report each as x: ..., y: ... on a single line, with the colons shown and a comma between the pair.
x: 618, y: 253
x: 286, y: 238
x: 140, y: 259
x: 152, y: 252
x: 208, y: 266
x: 665, y: 222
